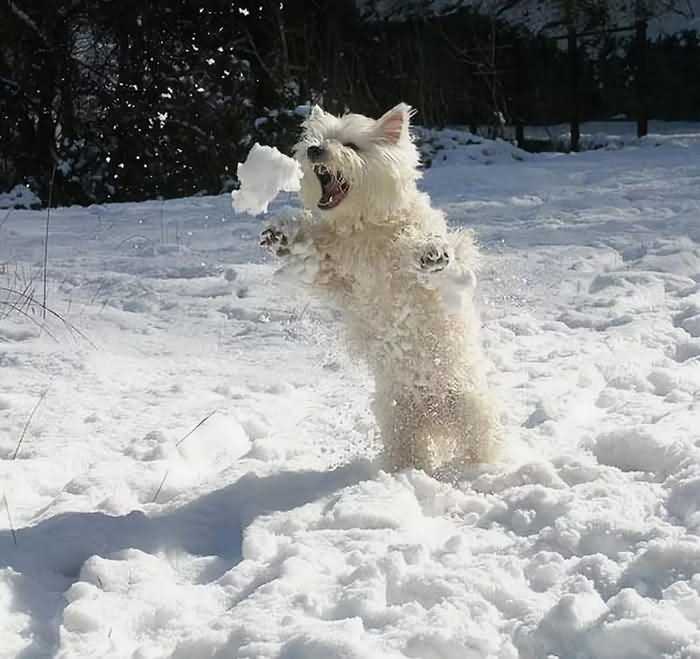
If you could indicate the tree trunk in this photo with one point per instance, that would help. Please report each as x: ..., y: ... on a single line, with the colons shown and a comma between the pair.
x: 574, y: 73
x: 641, y: 78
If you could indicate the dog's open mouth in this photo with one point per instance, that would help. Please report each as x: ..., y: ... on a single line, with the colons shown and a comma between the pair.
x: 334, y: 188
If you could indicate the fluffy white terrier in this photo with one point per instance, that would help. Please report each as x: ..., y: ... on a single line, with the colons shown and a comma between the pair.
x: 371, y: 240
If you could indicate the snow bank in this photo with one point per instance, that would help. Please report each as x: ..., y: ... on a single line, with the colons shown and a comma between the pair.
x: 19, y: 197
x: 265, y: 172
x: 460, y: 147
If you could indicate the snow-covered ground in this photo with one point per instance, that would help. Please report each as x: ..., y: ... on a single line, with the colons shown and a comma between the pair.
x: 613, y: 134
x: 194, y: 473
x: 608, y: 134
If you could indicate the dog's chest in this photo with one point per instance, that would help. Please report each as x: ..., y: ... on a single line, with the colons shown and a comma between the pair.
x: 369, y: 261
x: 380, y: 291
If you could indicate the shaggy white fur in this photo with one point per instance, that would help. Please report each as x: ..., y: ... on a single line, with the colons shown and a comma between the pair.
x: 371, y: 240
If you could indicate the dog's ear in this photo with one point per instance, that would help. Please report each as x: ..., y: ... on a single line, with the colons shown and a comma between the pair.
x: 392, y: 126
x: 316, y: 112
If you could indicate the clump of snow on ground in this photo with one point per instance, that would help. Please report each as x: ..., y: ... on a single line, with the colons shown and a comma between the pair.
x: 19, y: 197
x: 265, y: 172
x: 458, y: 147
x: 197, y: 478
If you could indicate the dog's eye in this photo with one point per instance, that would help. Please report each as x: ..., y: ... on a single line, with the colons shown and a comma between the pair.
x: 352, y: 145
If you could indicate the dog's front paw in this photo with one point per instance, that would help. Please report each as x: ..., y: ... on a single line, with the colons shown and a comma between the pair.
x: 275, y: 240
x: 434, y: 258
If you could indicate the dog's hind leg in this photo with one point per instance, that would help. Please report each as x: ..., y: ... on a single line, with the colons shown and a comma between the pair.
x: 413, y: 430
x: 473, y: 424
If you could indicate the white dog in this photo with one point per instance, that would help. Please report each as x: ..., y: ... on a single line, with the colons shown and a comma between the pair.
x: 373, y: 242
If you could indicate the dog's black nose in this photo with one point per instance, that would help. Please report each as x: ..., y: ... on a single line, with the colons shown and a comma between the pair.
x: 315, y: 153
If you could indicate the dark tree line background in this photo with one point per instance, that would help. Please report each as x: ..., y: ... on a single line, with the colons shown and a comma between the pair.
x: 131, y: 99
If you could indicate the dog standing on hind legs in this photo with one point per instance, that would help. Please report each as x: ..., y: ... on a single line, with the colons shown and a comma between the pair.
x: 370, y: 240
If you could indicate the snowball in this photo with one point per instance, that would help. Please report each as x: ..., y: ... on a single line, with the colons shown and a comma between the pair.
x: 263, y: 175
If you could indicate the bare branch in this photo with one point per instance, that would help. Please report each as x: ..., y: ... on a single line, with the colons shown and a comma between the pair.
x: 27, y: 20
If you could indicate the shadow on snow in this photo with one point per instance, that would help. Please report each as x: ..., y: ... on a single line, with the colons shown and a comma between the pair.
x: 48, y: 555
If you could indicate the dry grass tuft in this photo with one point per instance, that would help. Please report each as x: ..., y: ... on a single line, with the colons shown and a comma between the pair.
x: 182, y: 439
